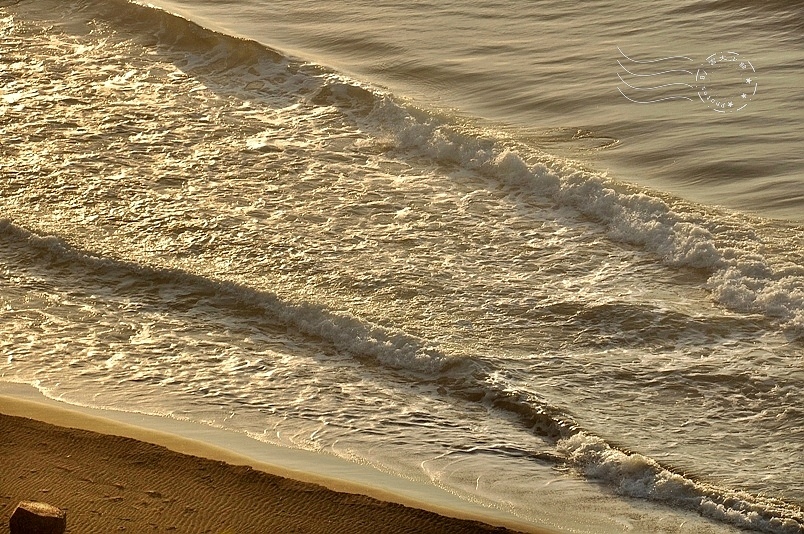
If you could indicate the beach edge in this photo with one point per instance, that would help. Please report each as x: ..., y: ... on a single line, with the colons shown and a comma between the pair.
x: 24, y: 401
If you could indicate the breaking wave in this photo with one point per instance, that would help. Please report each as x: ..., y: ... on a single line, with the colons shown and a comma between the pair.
x: 747, y: 261
x: 391, y: 348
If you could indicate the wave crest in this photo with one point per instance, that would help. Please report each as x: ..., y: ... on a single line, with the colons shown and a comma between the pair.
x: 739, y: 278
x: 638, y: 476
x: 389, y: 347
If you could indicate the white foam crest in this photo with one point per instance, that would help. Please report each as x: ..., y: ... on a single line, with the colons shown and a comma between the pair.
x: 739, y: 278
x: 635, y: 218
x: 639, y: 219
x: 389, y: 347
x: 770, y: 291
x: 635, y: 475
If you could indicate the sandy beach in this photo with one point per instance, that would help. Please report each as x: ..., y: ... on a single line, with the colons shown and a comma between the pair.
x: 111, y: 483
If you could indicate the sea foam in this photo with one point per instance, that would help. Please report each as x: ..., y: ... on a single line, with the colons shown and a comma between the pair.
x: 739, y: 278
x: 638, y: 476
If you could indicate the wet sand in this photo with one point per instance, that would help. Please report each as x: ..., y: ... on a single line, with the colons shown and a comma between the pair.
x: 109, y: 483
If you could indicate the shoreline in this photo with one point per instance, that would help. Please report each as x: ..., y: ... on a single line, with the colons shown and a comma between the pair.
x: 234, y: 454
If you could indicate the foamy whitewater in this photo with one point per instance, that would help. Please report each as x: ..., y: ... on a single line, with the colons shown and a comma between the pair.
x: 466, y: 245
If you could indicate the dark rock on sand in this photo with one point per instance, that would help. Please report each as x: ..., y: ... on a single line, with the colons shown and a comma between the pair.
x: 37, y: 518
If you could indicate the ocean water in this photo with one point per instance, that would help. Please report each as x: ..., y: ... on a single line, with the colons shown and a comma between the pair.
x: 547, y: 258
